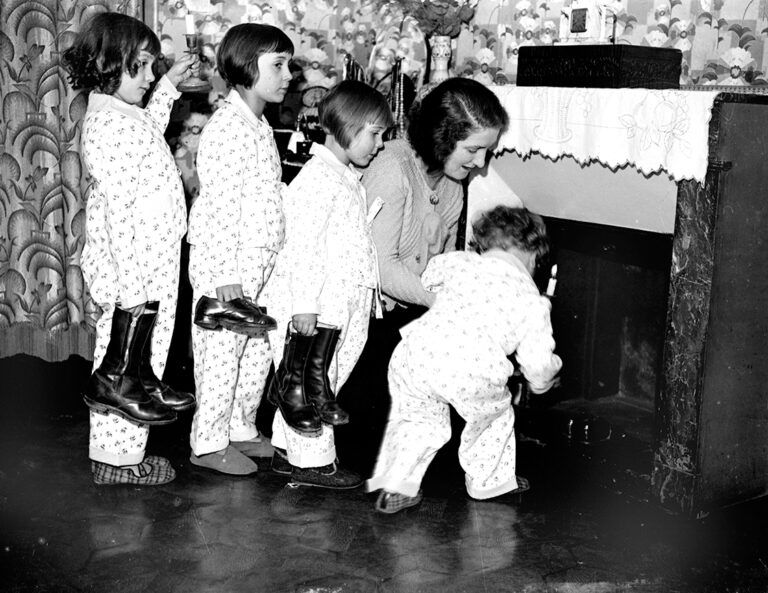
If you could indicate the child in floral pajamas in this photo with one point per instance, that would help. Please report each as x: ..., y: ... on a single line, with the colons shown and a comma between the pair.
x: 487, y: 307
x: 135, y: 220
x: 236, y: 228
x: 326, y: 278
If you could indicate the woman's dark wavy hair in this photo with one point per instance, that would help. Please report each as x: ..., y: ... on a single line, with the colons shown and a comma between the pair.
x: 107, y: 46
x: 348, y: 106
x: 503, y: 227
x: 241, y: 48
x: 448, y: 114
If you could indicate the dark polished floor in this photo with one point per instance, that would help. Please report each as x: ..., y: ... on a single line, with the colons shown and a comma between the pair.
x: 586, y: 525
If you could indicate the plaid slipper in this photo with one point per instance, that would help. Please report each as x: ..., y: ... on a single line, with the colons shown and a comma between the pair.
x: 392, y: 502
x: 153, y: 471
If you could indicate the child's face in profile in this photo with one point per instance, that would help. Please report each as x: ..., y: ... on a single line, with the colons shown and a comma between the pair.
x: 133, y: 88
x: 274, y: 77
x: 366, y: 144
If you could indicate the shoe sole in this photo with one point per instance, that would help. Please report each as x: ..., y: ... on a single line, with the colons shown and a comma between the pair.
x: 337, y: 423
x: 183, y: 408
x: 221, y: 473
x: 107, y: 409
x: 236, y: 327
x: 326, y: 486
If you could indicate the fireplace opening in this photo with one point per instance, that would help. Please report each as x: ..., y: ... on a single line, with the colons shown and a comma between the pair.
x: 608, y: 318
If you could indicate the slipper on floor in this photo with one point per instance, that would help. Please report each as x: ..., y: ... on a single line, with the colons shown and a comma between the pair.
x: 232, y: 462
x: 256, y: 447
x: 153, y: 471
x: 393, y: 502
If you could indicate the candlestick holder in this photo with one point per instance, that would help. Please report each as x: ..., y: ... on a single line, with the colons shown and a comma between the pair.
x: 194, y: 84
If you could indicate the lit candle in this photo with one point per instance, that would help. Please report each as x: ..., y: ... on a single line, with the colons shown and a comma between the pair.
x: 552, y: 282
x: 190, y: 22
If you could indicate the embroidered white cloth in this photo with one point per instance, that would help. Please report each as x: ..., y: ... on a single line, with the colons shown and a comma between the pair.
x: 651, y: 130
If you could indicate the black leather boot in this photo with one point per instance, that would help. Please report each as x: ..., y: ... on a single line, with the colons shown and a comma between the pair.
x: 115, y: 386
x: 287, y: 387
x: 317, y: 387
x: 156, y: 389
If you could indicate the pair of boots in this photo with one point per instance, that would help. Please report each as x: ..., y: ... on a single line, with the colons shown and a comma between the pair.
x: 300, y: 386
x: 125, y: 383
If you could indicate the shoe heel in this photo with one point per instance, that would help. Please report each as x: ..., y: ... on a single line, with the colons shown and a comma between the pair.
x: 96, y: 406
x: 207, y: 323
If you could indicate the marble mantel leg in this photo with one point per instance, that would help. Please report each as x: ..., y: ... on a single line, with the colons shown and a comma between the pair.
x: 675, y: 462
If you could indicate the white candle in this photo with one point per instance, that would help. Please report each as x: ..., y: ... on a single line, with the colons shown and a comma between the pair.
x: 552, y: 282
x: 190, y: 22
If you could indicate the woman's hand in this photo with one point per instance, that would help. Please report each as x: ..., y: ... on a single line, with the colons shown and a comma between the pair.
x: 229, y: 292
x: 305, y: 323
x: 183, y: 68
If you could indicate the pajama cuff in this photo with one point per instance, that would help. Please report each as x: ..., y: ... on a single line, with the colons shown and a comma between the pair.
x: 484, y: 493
x: 305, y: 306
x: 227, y: 280
x: 392, y: 485
x: 116, y: 459
x: 206, y: 447
x: 134, y: 300
x: 245, y: 433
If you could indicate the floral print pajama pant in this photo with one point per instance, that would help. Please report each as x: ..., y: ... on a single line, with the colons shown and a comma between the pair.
x: 347, y: 307
x: 230, y: 369
x: 423, y: 382
x: 113, y: 439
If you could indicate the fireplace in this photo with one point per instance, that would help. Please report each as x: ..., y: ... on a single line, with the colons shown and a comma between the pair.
x: 661, y: 305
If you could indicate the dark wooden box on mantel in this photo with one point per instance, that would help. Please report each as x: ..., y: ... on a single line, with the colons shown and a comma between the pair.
x: 599, y: 66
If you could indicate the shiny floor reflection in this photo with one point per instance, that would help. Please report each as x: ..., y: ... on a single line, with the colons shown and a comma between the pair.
x: 585, y: 526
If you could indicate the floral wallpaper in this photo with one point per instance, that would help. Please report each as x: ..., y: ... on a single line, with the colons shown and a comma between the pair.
x: 723, y: 41
x: 45, y: 308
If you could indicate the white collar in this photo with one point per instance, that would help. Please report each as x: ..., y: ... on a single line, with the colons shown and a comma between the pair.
x: 507, y: 257
x: 324, y: 153
x: 234, y: 99
x: 101, y: 102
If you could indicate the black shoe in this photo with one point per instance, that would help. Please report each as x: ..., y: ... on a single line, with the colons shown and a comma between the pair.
x: 328, y: 476
x: 238, y: 315
x: 280, y: 464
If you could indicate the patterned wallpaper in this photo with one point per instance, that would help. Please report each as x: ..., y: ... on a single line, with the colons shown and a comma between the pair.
x: 45, y: 308
x: 723, y: 41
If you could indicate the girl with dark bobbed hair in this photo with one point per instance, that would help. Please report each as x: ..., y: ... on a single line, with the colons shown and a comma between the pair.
x: 135, y: 219
x: 416, y: 185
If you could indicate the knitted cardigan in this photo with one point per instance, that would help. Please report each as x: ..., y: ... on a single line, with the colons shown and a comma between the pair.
x: 409, y: 228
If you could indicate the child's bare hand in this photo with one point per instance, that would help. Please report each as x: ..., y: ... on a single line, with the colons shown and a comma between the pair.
x: 183, y: 68
x: 305, y: 323
x: 229, y: 292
